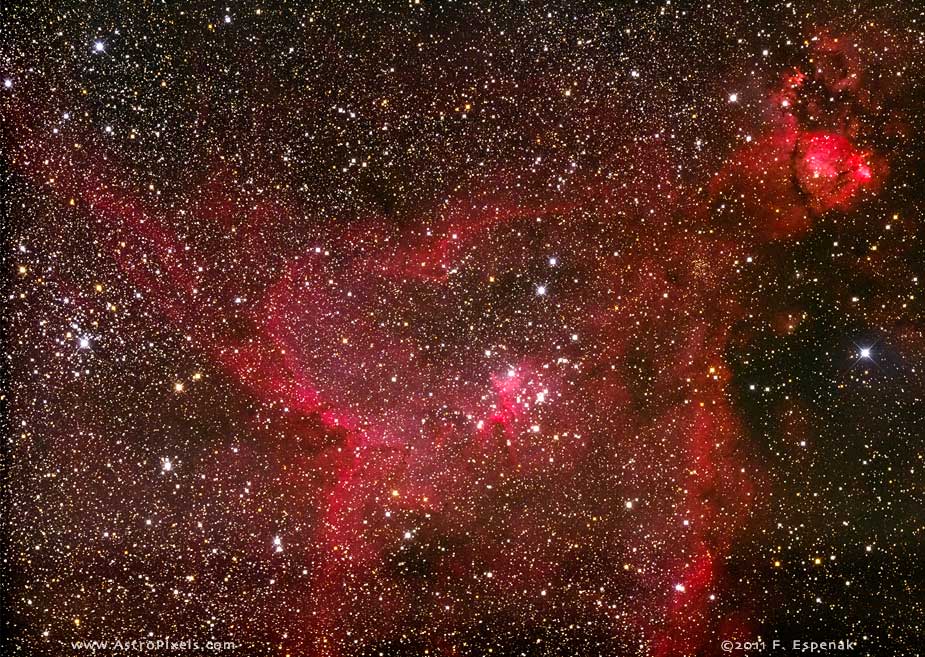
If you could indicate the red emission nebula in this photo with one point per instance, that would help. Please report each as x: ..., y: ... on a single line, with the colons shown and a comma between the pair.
x: 599, y: 334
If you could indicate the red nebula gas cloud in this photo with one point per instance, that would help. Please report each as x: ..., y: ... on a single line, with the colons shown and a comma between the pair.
x: 520, y: 407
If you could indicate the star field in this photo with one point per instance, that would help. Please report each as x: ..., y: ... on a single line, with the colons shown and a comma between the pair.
x: 463, y: 329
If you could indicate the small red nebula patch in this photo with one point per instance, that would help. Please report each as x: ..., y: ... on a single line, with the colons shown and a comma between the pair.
x: 830, y: 171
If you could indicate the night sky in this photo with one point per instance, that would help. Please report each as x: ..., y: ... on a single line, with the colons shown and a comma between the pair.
x: 463, y: 329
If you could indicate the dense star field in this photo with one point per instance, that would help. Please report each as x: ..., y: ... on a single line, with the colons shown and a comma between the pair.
x: 463, y: 329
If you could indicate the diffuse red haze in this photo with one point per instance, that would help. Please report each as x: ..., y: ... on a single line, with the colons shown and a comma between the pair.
x: 508, y: 414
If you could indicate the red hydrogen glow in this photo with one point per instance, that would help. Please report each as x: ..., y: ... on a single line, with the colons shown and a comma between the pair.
x: 518, y: 397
